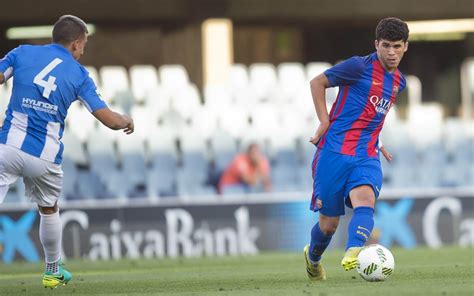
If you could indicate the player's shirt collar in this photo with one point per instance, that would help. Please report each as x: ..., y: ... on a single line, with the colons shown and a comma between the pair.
x: 61, y: 47
x: 375, y: 57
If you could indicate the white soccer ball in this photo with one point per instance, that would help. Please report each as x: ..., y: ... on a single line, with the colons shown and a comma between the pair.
x: 376, y: 263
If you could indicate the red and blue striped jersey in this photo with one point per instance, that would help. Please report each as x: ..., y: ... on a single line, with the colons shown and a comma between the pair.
x: 366, y: 93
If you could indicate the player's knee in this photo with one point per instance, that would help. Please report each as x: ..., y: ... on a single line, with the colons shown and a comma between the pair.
x: 362, y: 196
x: 363, y: 201
x: 329, y: 229
x: 328, y: 225
x: 48, y: 210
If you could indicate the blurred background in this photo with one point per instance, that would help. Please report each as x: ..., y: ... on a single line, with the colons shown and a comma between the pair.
x: 205, y: 78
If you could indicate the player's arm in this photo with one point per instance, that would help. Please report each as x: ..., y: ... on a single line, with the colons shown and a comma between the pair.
x: 388, y: 156
x: 345, y: 73
x: 318, y: 91
x: 7, y: 64
x: 114, y: 120
x: 91, y: 99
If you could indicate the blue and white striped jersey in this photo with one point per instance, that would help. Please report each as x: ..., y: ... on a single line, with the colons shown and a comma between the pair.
x: 47, y: 79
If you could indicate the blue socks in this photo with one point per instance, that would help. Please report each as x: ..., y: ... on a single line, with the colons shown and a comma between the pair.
x: 359, y: 231
x: 319, y: 243
x: 360, y: 227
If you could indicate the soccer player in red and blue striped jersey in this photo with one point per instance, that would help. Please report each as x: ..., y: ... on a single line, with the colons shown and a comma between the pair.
x: 346, y: 165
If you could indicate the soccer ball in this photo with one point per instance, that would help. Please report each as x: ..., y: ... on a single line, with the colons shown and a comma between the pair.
x: 376, y: 263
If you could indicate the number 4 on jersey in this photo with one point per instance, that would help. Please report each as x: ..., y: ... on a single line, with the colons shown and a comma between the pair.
x: 48, y: 85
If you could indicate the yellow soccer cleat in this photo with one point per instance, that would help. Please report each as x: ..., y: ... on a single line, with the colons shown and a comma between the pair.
x: 350, y: 260
x: 53, y: 280
x: 315, y: 272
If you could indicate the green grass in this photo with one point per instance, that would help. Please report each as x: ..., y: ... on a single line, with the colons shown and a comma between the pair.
x: 448, y: 271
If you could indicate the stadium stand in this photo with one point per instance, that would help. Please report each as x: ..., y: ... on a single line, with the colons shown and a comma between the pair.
x: 184, y: 138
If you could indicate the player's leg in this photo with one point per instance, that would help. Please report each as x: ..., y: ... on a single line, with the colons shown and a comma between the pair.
x: 43, y: 185
x: 3, y: 192
x: 321, y: 236
x: 330, y: 174
x: 50, y: 233
x: 364, y: 184
x: 10, y: 169
x: 361, y: 224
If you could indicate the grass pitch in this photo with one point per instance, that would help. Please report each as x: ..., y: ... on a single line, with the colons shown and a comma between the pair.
x: 448, y: 271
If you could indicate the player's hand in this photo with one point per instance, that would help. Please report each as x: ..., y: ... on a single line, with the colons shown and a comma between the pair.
x: 386, y: 154
x: 130, y: 126
x: 322, y: 128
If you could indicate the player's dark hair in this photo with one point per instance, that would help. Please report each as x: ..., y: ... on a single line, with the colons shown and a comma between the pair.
x: 392, y: 29
x: 68, y: 28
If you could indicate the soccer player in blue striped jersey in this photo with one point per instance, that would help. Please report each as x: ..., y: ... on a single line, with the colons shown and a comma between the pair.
x: 346, y: 165
x: 47, y: 80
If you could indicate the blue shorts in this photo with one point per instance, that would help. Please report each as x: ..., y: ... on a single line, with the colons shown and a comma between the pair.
x: 335, y: 175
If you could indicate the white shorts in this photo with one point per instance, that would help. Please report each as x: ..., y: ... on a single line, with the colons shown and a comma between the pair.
x: 43, y: 179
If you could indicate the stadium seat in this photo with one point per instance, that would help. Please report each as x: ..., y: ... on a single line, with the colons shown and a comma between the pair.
x: 394, y: 134
x: 131, y: 149
x: 460, y: 168
x: 306, y: 113
x: 94, y: 74
x: 143, y: 81
x: 455, y: 131
x: 144, y: 118
x: 114, y: 82
x: 186, y: 101
x: 285, y: 180
x: 217, y: 97
x: 158, y: 100
x: 172, y: 119
x: 16, y: 193
x: 223, y: 147
x: 205, y: 121
x: 233, y: 190
x: 80, y: 121
x: 74, y: 149
x: 431, y: 163
x: 161, y: 177
x: 89, y: 186
x: 291, y: 79
x: 292, y: 123
x: 234, y: 121
x: 414, y: 90
x: 194, y: 155
x: 173, y: 77
x: 238, y: 77
x: 102, y: 156
x: 404, y: 177
x: 425, y: 130
x: 264, y: 127
x: 313, y: 69
x: 264, y: 120
x: 284, y: 151
x: 263, y: 81
x: 69, y: 188
x: 239, y: 86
